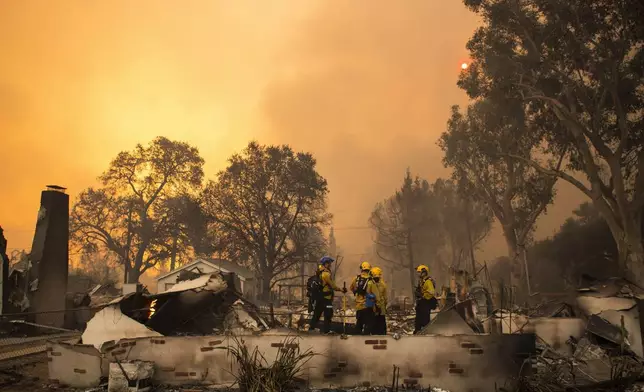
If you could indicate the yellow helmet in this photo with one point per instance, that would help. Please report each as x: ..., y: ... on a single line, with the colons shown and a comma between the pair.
x: 321, y: 268
x: 365, y: 266
x: 376, y: 272
x: 422, y: 268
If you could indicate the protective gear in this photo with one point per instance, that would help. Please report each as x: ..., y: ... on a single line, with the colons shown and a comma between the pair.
x: 320, y: 268
x: 422, y: 268
x: 425, y: 289
x: 370, y: 300
x: 326, y: 260
x: 425, y: 302
x: 328, y: 285
x: 361, y: 285
x: 376, y: 272
x: 365, y: 266
x: 379, y: 321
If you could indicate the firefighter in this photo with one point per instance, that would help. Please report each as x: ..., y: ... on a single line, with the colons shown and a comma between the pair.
x: 380, y: 311
x: 362, y: 289
x: 314, y: 288
x: 324, y: 305
x: 425, y: 298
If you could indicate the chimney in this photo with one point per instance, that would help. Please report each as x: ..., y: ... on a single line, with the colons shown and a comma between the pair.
x: 50, y: 257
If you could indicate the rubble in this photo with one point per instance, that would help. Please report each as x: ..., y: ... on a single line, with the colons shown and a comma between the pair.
x: 132, y: 376
x: 201, y: 306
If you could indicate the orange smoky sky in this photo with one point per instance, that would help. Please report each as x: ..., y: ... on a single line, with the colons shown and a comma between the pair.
x: 365, y: 85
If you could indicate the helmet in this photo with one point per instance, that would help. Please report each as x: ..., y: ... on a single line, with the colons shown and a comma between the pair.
x: 320, y: 268
x: 326, y: 260
x: 376, y: 272
x: 365, y: 266
x: 422, y: 268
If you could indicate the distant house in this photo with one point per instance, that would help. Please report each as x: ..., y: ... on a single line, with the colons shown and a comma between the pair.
x: 205, y: 266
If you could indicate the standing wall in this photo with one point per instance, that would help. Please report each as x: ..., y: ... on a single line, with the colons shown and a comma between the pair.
x: 457, y: 363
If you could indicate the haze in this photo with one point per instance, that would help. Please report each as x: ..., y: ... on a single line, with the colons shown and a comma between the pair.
x: 364, y: 85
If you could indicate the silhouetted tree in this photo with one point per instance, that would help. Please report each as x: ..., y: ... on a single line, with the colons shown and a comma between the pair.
x: 265, y: 206
x: 465, y: 221
x: 583, y: 244
x: 481, y: 146
x: 406, y: 226
x: 578, y: 64
x: 126, y: 215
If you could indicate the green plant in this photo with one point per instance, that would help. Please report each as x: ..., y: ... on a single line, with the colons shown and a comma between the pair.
x: 256, y: 375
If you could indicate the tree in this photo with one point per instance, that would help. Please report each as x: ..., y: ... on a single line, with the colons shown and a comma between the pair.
x: 129, y: 214
x: 481, y: 146
x: 581, y: 63
x: 186, y: 224
x: 405, y: 226
x: 583, y: 244
x: 466, y: 221
x: 264, y: 205
x: 101, y: 268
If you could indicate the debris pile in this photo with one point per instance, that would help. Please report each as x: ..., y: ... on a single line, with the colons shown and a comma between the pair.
x: 205, y: 305
x: 595, y: 344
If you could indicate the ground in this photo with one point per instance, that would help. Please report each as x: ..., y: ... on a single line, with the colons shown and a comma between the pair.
x: 31, y: 377
x: 34, y: 377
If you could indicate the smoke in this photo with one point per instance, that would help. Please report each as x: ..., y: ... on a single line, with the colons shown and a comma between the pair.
x: 367, y: 87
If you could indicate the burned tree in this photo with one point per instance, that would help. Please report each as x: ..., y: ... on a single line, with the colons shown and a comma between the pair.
x: 405, y: 226
x: 259, y: 203
x: 126, y: 216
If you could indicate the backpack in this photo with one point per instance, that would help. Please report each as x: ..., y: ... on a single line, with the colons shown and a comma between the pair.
x: 361, y: 285
x: 314, y: 287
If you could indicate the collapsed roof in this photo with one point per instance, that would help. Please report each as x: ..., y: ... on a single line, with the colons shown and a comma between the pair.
x: 205, y: 305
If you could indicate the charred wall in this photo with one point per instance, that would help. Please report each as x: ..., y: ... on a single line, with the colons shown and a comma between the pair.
x: 49, y: 258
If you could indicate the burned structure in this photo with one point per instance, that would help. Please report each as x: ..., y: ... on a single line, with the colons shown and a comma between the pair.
x: 186, y: 332
x: 37, y: 283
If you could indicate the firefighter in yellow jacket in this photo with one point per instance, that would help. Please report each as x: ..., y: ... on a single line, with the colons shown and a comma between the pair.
x: 380, y: 311
x: 362, y: 289
x: 425, y: 298
x: 324, y: 304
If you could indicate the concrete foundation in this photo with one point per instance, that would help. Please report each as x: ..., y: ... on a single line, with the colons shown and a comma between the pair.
x: 458, y: 363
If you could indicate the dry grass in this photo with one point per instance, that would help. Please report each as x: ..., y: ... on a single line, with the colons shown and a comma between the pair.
x: 256, y: 375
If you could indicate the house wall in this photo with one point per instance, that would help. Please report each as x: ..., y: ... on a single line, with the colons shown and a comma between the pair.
x: 457, y: 363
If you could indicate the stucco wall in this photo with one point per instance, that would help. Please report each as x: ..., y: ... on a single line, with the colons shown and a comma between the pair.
x: 458, y: 363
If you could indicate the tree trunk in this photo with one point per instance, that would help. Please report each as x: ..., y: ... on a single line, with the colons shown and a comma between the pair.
x: 133, y: 275
x: 514, y: 253
x: 266, y: 286
x: 173, y: 254
x: 631, y: 259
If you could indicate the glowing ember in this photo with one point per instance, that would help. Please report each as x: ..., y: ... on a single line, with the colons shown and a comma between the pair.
x: 152, y: 306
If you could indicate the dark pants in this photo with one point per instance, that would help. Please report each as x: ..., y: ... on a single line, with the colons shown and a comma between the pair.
x: 364, y: 321
x: 379, y: 325
x: 322, y: 306
x: 423, y: 313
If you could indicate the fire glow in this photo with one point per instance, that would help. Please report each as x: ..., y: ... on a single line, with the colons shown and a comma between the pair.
x: 152, y: 308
